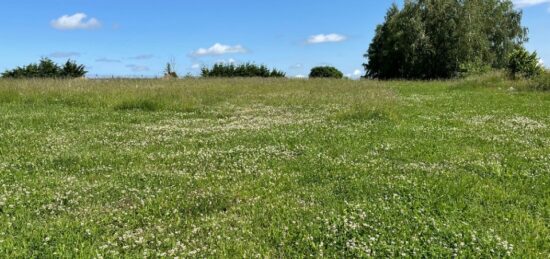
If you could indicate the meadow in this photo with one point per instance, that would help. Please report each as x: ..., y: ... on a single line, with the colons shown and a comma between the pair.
x: 273, y: 168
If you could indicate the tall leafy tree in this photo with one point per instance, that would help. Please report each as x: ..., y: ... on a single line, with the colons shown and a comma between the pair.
x: 442, y: 38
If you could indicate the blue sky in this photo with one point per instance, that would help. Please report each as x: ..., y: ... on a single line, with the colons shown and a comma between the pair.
x: 138, y: 37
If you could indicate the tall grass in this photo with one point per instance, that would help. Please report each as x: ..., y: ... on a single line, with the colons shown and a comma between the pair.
x: 225, y: 168
x: 187, y: 94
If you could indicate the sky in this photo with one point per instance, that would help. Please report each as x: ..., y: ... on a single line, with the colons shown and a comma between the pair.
x: 138, y: 37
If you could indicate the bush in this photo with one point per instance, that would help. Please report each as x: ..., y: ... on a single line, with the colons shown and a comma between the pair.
x: 542, y: 82
x: 325, y: 72
x: 46, y: 68
x: 521, y: 63
x: 243, y: 70
x: 73, y: 70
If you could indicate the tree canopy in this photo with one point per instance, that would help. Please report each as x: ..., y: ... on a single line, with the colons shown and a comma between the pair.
x: 242, y: 70
x: 429, y: 39
x: 325, y: 72
x: 46, y: 68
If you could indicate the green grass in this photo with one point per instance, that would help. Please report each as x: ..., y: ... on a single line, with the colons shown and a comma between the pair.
x: 273, y: 168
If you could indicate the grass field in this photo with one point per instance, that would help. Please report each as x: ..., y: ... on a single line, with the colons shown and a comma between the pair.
x: 273, y: 168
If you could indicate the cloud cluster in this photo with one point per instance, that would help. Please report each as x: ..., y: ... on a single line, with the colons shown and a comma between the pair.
x: 62, y: 54
x: 219, y: 49
x: 107, y: 60
x: 75, y: 22
x: 142, y: 57
x: 324, y: 38
x: 138, y: 68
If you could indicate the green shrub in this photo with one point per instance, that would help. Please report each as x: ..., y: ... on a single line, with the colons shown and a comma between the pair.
x: 242, y: 70
x: 473, y: 68
x: 542, y: 82
x: 73, y: 70
x: 521, y: 63
x: 325, y: 72
x: 46, y: 68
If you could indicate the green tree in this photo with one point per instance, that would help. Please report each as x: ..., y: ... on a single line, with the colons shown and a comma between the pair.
x: 325, y: 72
x: 242, y: 70
x: 46, y: 68
x: 521, y: 63
x: 73, y: 70
x: 443, y: 38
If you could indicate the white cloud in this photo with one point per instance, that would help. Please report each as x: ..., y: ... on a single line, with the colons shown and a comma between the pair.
x: 107, y: 60
x: 527, y: 3
x: 219, y: 49
x: 138, y: 68
x: 223, y: 61
x: 75, y: 21
x: 541, y: 62
x: 324, y: 38
x: 300, y: 76
x: 142, y: 57
x: 357, y: 73
x: 62, y: 54
x: 196, y: 66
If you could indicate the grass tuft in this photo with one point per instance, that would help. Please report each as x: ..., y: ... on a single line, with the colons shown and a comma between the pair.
x: 140, y: 105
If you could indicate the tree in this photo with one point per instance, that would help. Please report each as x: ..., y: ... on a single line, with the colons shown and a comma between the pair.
x: 46, y: 68
x: 73, y: 70
x: 325, y: 72
x: 442, y: 38
x: 242, y: 70
x: 521, y: 63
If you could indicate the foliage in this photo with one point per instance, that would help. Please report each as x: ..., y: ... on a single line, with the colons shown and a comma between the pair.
x: 225, y: 168
x: 46, y: 68
x: 541, y: 82
x: 521, y: 63
x: 73, y: 70
x: 242, y: 70
x: 444, y: 38
x: 325, y: 72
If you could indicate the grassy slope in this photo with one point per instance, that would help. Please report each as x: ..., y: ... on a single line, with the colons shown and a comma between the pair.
x: 273, y: 168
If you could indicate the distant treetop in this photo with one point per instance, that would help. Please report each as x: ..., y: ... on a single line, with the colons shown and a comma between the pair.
x: 242, y: 70
x: 326, y: 72
x: 46, y: 68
